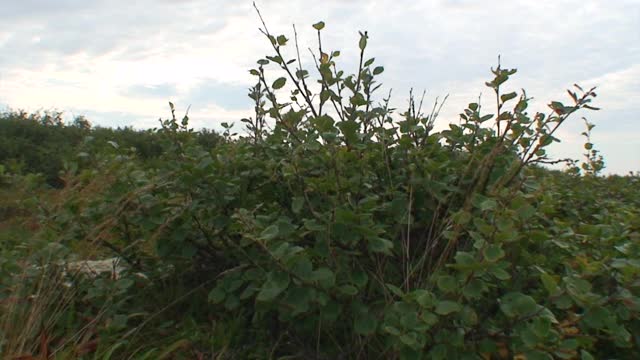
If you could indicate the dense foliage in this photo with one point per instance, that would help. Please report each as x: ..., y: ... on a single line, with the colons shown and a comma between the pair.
x: 41, y: 143
x: 334, y: 229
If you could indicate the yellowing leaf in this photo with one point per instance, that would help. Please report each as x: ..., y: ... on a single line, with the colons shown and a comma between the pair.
x: 324, y: 58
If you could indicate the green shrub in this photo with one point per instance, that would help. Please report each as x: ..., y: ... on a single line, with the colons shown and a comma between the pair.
x: 334, y: 229
x: 41, y: 143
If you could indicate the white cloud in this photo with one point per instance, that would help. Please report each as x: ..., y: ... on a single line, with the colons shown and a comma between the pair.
x: 618, y: 90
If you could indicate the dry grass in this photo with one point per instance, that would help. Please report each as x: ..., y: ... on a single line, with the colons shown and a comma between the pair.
x: 38, y: 300
x: 37, y: 294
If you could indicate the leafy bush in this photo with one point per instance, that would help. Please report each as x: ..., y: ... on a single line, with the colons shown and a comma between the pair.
x: 41, y: 143
x: 334, y: 229
x: 29, y: 140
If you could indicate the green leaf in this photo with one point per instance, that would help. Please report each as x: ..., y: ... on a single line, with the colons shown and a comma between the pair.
x: 369, y: 62
x: 464, y: 258
x: 447, y: 307
x: 330, y: 311
x: 324, y: 123
x: 522, y: 105
x: 500, y: 273
x: 576, y: 286
x: 549, y: 283
x: 358, y: 100
x: 541, y: 327
x: 563, y: 302
x: 488, y: 204
x: 546, y: 140
x: 277, y: 282
x: 548, y: 315
x: 359, y: 278
x: 281, y: 250
x: 296, y: 204
x: 569, y: 344
x: 468, y: 316
x: 486, y: 117
x: 409, y: 339
x: 516, y: 304
x: 392, y: 330
x: 325, y: 95
x: 424, y: 298
x: 461, y: 217
x: 438, y: 352
x: 303, y: 268
x: 525, y: 212
x: 474, y: 289
x: 466, y: 261
x: 585, y: 355
x: 529, y: 337
x: 319, y: 25
x: 349, y: 129
x: 232, y: 284
x: 325, y: 277
x: 557, y: 106
x: 596, y: 317
x: 299, y: 298
x: 429, y: 318
x: 380, y: 245
x: 348, y: 290
x: 620, y: 335
x: 395, y: 290
x: 217, y: 295
x: 232, y: 302
x: 493, y: 253
x: 447, y: 283
x: 365, y: 323
x: 378, y: 70
x: 248, y: 292
x: 270, y: 233
x: 509, y: 96
x: 282, y: 40
x: 279, y: 83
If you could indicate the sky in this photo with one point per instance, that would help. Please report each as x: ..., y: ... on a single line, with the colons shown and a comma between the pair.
x: 120, y: 62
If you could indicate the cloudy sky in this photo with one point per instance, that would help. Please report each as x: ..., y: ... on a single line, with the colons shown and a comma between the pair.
x: 119, y: 62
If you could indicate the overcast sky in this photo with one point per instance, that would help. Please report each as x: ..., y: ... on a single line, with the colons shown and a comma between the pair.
x: 119, y: 62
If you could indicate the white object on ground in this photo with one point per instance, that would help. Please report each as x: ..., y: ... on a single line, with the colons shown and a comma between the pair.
x: 93, y: 268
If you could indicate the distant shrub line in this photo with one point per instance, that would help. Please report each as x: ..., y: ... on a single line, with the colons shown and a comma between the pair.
x: 41, y: 143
